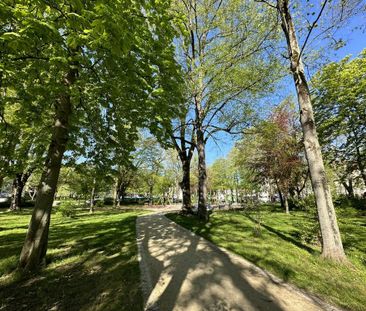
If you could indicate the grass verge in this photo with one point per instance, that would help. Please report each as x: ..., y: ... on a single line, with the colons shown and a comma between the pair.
x: 278, y: 248
x: 92, y: 264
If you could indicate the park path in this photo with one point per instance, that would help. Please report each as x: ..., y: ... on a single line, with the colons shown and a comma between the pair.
x: 182, y: 271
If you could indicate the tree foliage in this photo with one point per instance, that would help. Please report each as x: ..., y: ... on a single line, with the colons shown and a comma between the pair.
x: 340, y: 111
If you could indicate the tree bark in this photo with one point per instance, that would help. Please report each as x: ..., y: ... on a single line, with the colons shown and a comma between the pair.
x: 92, y: 196
x: 35, y: 245
x: 202, y: 176
x: 15, y: 194
x: 117, y: 193
x: 349, y: 188
x: 185, y: 185
x: 151, y: 189
x: 18, y: 186
x: 285, y: 201
x: 185, y: 156
x: 332, y: 247
x: 281, y: 198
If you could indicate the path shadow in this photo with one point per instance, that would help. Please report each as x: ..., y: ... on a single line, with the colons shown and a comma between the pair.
x: 189, y: 273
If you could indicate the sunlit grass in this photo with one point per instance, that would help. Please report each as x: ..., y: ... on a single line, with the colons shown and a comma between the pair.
x: 279, y: 250
x: 91, y: 263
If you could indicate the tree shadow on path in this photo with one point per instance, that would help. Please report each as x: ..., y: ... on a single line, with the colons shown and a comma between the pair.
x: 188, y: 273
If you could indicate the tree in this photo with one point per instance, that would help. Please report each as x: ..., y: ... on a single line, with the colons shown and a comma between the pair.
x: 151, y: 157
x: 223, y: 176
x: 220, y: 49
x: 279, y: 150
x: 23, y: 135
x: 332, y: 247
x: 340, y: 111
x: 76, y: 50
x: 184, y: 144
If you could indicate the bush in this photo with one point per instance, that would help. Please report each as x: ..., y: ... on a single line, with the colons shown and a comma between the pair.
x: 66, y: 209
x: 302, y: 204
x: 99, y: 203
x: 108, y: 201
x: 347, y: 202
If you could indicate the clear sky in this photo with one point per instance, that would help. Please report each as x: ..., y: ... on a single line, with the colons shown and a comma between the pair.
x: 354, y: 35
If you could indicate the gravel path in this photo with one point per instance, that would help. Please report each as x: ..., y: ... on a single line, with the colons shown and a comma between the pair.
x: 181, y: 271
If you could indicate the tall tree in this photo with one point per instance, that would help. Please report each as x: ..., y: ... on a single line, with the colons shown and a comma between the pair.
x: 115, y: 51
x: 279, y: 158
x: 332, y: 247
x: 219, y: 50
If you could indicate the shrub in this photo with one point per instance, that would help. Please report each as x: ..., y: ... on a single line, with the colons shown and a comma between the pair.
x: 347, y: 202
x: 99, y: 203
x: 108, y: 201
x: 303, y: 204
x: 66, y: 209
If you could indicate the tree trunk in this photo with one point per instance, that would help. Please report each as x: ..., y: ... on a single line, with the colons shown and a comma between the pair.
x: 117, y: 193
x: 151, y: 194
x: 185, y: 185
x: 332, y: 247
x: 232, y: 195
x: 281, y: 198
x: 32, y: 193
x: 285, y: 201
x: 280, y: 195
x: 16, y: 193
x: 92, y: 196
x: 18, y: 185
x: 349, y: 188
x: 1, y: 182
x: 35, y: 245
x: 202, y: 176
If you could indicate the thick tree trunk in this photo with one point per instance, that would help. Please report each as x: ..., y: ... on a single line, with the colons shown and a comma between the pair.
x: 332, y: 247
x: 92, y: 196
x: 202, y: 176
x: 35, y: 245
x: 185, y: 185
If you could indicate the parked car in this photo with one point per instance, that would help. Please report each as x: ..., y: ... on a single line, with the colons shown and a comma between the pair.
x: 4, y: 197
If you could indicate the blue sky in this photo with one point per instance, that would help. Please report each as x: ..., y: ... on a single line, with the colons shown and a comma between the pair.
x: 355, y: 38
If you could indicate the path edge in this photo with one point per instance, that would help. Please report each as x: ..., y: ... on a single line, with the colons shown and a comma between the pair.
x: 145, y: 279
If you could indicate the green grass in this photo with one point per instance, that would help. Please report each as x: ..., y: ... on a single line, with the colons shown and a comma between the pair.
x: 279, y: 249
x: 91, y: 264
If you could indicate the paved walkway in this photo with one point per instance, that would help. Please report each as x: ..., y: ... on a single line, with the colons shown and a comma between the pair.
x: 181, y: 271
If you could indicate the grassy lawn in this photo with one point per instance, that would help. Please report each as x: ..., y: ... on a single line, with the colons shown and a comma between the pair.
x: 280, y: 249
x: 92, y: 264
